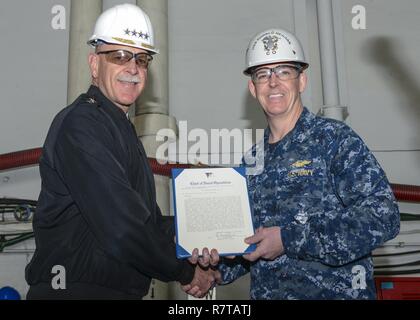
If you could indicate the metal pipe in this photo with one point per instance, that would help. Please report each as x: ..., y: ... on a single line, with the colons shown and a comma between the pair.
x: 106, y: 4
x: 83, y: 15
x: 332, y: 107
x: 154, y: 99
x: 152, y: 109
x: 328, y: 53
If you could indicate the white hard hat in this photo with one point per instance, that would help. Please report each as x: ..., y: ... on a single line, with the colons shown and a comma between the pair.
x: 124, y: 24
x: 271, y: 46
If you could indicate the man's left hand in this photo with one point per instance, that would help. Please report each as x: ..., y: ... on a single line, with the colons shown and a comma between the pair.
x: 207, y: 258
x: 269, y: 244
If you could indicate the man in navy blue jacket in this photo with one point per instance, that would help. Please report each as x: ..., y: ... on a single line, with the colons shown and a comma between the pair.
x: 97, y: 216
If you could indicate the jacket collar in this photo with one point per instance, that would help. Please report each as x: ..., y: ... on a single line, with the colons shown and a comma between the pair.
x: 95, y: 93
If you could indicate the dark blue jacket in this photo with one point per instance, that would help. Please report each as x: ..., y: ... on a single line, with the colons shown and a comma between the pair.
x: 97, y: 214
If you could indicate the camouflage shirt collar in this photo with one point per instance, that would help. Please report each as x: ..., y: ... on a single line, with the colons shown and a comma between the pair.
x: 297, y: 135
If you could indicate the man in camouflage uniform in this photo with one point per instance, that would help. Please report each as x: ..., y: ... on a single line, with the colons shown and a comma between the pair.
x: 322, y: 202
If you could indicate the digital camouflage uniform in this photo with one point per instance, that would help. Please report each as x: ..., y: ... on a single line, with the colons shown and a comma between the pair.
x: 328, y: 194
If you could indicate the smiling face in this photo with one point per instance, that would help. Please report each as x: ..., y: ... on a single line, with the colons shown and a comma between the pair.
x: 122, y: 84
x: 279, y: 98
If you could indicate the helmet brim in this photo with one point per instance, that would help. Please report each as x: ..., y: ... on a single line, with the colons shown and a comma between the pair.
x: 94, y: 42
x: 249, y: 70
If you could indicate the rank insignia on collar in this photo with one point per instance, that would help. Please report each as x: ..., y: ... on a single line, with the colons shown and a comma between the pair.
x: 91, y: 100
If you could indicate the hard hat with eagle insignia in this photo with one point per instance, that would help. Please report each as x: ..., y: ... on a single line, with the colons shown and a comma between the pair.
x: 271, y: 46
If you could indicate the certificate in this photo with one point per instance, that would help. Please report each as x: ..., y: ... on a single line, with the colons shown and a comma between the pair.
x: 212, y: 210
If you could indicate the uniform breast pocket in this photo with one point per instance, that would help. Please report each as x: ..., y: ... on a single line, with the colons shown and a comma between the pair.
x: 305, y: 181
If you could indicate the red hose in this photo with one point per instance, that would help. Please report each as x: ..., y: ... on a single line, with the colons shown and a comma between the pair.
x: 20, y: 158
x: 31, y: 157
x: 165, y: 169
x: 405, y: 192
x: 23, y: 158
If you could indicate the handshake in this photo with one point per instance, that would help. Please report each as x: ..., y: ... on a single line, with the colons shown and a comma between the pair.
x: 206, y: 275
x: 269, y: 246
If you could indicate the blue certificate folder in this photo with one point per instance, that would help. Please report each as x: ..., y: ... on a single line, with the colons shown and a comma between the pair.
x: 209, y: 176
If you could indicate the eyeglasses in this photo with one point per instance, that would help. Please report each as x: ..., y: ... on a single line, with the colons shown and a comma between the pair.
x: 121, y: 57
x: 282, y: 72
